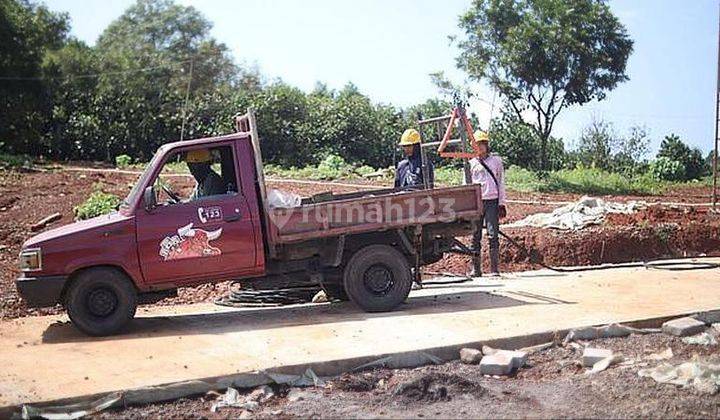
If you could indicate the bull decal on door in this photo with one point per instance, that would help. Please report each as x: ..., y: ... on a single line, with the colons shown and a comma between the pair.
x: 189, y: 243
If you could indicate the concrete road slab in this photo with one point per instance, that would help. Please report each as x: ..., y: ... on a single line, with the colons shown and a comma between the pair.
x: 46, y: 359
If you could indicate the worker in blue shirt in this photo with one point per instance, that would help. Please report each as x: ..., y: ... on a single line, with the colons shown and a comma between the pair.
x: 409, y: 172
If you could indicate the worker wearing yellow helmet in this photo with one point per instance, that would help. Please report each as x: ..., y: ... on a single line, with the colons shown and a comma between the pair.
x: 207, y: 181
x: 487, y: 170
x: 409, y: 172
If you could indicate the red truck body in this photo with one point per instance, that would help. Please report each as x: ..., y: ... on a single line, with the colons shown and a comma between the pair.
x: 238, y: 235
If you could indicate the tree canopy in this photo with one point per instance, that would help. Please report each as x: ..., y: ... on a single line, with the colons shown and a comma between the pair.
x: 544, y: 55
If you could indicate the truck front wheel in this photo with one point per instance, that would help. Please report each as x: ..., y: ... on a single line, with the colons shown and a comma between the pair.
x: 377, y: 278
x: 101, y: 301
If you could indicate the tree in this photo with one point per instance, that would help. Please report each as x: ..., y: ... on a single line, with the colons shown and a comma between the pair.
x: 348, y: 124
x: 544, y: 55
x: 520, y: 145
x: 27, y: 32
x: 691, y: 159
x: 630, y: 153
x: 73, y: 130
x: 145, y: 57
x: 600, y: 146
x: 596, y: 144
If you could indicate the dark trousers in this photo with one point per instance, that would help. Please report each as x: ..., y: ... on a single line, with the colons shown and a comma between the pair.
x: 492, y: 222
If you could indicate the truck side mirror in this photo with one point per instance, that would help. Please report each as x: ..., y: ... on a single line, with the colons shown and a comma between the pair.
x: 149, y: 198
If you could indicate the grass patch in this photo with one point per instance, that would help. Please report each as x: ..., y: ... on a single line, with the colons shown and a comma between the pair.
x: 596, y: 181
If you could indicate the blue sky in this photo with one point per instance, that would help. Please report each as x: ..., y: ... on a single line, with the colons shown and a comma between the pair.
x: 388, y: 47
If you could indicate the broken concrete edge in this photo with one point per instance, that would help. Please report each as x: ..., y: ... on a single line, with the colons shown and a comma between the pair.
x: 409, y: 359
x: 708, y: 317
x: 683, y: 327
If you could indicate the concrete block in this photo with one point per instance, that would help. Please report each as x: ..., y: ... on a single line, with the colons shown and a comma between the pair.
x: 682, y: 327
x: 593, y: 355
x: 487, y: 350
x: 470, y: 356
x: 518, y: 357
x: 710, y: 317
x: 496, y: 364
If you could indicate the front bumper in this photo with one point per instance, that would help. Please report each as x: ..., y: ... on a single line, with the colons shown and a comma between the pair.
x: 41, y: 291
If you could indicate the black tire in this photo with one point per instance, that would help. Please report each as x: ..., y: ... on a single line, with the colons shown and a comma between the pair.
x: 378, y: 278
x: 101, y: 301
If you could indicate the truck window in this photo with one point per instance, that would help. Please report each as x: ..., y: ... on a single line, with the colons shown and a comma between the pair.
x: 196, y: 174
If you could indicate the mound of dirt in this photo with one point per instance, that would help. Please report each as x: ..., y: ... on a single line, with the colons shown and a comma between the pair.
x: 653, y: 233
x: 436, y: 386
x: 361, y: 382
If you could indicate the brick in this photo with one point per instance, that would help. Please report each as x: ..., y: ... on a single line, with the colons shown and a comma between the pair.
x: 593, y: 355
x: 682, y: 327
x: 470, y: 356
x: 519, y: 357
x: 496, y: 364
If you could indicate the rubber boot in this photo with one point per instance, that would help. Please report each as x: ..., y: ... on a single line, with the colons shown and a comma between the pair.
x: 476, y: 270
x: 494, y: 262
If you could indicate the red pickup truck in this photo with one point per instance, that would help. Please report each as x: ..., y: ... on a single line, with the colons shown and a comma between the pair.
x: 366, y: 246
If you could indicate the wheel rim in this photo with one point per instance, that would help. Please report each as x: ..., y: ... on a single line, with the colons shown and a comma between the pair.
x: 378, y: 279
x: 101, y: 302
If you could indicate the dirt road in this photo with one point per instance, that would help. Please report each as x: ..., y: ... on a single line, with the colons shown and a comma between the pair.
x: 26, y: 198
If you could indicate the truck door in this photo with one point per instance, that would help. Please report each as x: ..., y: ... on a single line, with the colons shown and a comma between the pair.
x: 199, y: 230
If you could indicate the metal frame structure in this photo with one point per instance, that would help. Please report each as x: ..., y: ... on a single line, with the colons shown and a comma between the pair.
x: 445, y: 124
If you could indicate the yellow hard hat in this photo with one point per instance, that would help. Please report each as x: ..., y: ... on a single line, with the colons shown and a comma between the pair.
x: 198, y: 156
x: 481, y: 136
x: 409, y: 137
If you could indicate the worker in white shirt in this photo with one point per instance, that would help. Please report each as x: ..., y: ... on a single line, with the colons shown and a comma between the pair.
x: 487, y: 170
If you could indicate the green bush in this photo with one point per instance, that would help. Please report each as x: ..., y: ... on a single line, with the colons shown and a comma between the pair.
x: 123, y: 161
x: 693, y: 164
x: 8, y: 161
x: 365, y: 170
x: 448, y: 175
x: 97, y: 204
x: 332, y: 167
x: 520, y: 145
x: 666, y: 169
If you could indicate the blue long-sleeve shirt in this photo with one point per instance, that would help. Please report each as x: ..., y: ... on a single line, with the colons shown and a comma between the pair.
x: 409, y: 172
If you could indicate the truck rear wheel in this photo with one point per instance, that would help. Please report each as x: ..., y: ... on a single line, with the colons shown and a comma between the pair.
x: 101, y: 301
x: 377, y: 278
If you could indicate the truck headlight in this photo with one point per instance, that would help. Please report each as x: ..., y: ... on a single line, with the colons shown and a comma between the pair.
x: 31, y: 259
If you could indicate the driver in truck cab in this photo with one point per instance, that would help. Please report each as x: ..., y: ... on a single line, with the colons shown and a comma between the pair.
x: 208, y: 182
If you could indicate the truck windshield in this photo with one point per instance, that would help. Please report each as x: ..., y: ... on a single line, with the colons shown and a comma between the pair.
x: 135, y: 192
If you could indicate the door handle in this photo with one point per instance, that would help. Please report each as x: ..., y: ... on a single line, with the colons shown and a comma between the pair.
x: 232, y: 218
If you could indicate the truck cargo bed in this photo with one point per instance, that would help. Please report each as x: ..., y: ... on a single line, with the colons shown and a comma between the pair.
x: 374, y: 211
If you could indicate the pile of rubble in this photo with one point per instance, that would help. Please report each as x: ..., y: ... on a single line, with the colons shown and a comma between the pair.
x: 702, y: 329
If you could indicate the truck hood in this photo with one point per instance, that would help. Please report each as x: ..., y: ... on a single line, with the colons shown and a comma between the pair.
x: 75, y: 228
